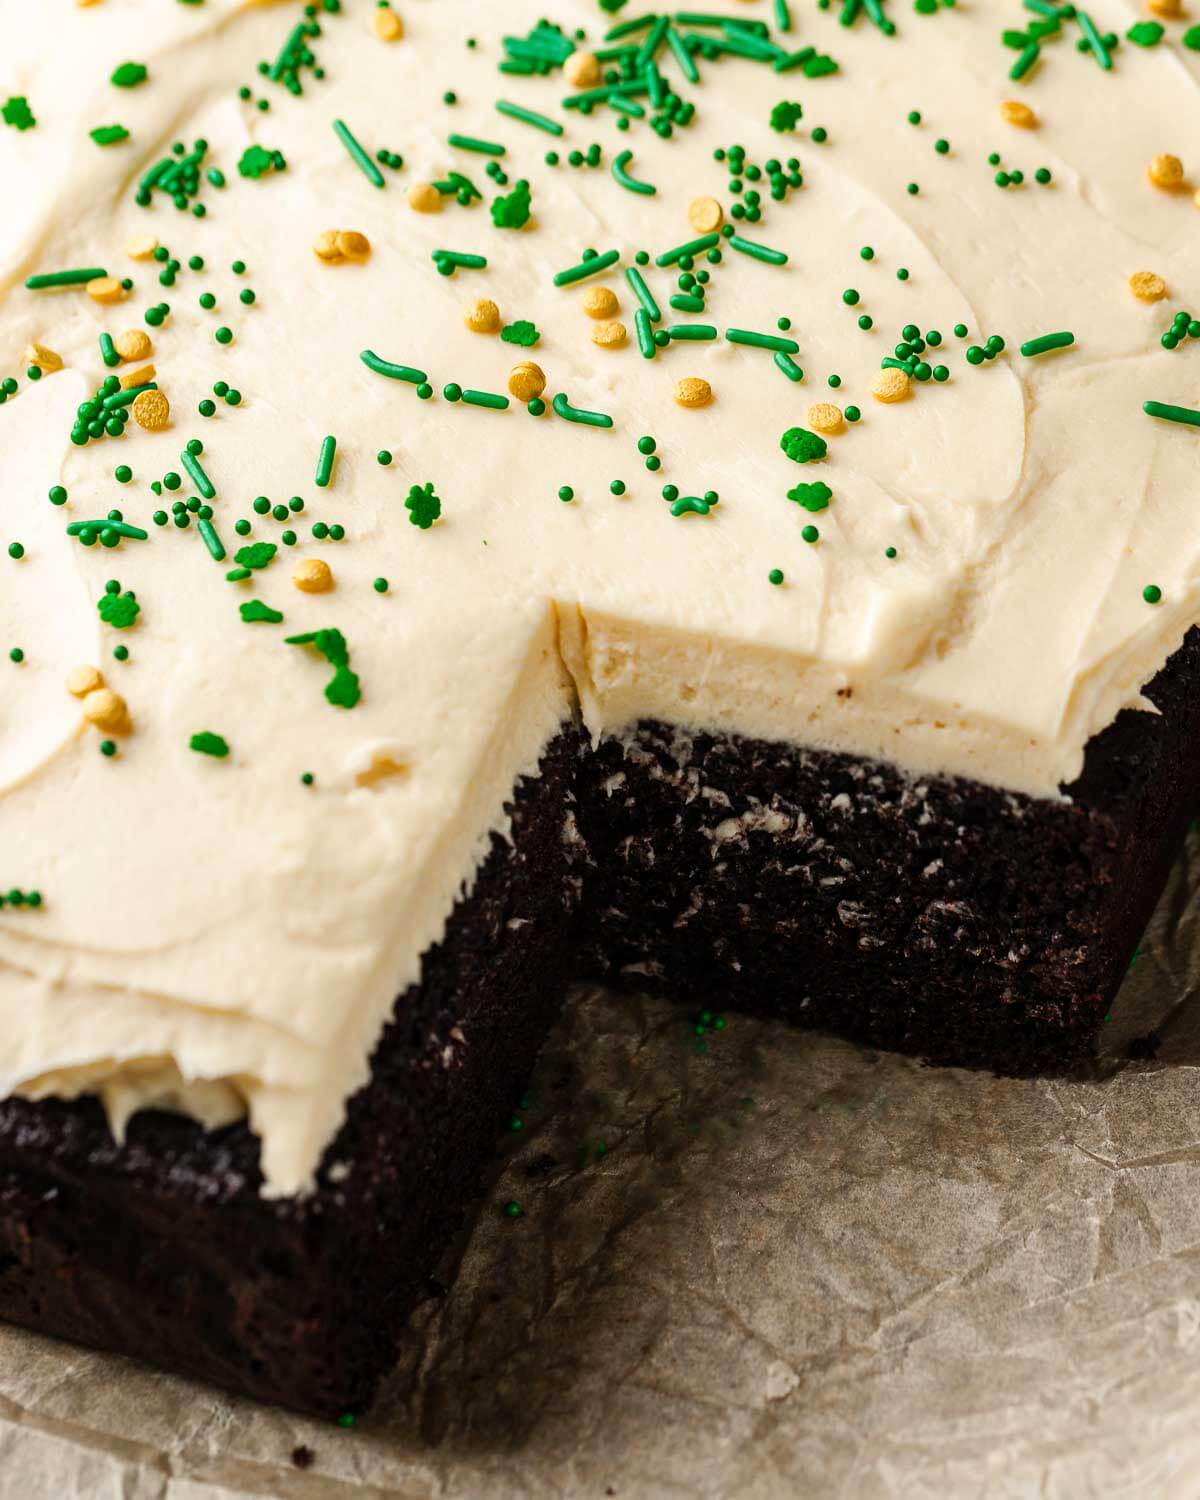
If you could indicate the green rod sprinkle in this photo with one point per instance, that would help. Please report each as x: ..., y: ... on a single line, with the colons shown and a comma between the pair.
x: 686, y: 302
x: 325, y: 462
x: 360, y: 158
x: 576, y: 414
x: 626, y: 106
x: 620, y: 163
x: 1094, y: 39
x: 587, y: 268
x: 459, y: 258
x: 683, y: 55
x: 761, y: 340
x: 108, y: 352
x: 1168, y: 413
x: 603, y: 93
x: 80, y: 277
x: 789, y: 60
x: 474, y: 143
x: 719, y: 23
x: 691, y: 247
x: 1046, y: 342
x: 390, y: 371
x: 645, y: 334
x: 627, y: 28
x: 199, y: 478
x: 529, y: 117
x: 652, y: 43
x: 643, y: 293
x: 208, y: 534
x: 485, y: 398
x: 1026, y: 61
x: 692, y: 332
x: 127, y: 397
x: 788, y: 365
x: 122, y: 528
x: 783, y: 16
x: 757, y: 251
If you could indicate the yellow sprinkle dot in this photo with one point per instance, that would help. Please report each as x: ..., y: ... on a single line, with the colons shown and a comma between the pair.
x: 141, y: 246
x: 1014, y: 112
x: 133, y: 344
x: 313, y: 576
x: 143, y: 375
x: 1165, y: 10
x: 890, y: 385
x: 325, y: 246
x: 600, y: 302
x: 46, y: 359
x: 705, y: 215
x: 352, y: 244
x: 382, y: 767
x: 105, y: 289
x: 152, y: 411
x: 388, y: 25
x: 84, y: 680
x: 582, y: 70
x: 424, y: 198
x: 609, y: 335
x: 1147, y: 286
x: 693, y: 391
x: 826, y: 417
x: 526, y: 381
x: 483, y: 316
x: 105, y: 709
x: 1165, y: 171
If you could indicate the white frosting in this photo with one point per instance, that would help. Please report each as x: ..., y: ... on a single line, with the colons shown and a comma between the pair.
x: 215, y: 921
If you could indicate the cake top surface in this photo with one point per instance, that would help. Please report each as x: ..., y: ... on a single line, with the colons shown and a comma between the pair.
x: 420, y: 370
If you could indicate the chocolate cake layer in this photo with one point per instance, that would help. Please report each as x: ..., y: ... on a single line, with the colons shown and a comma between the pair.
x: 943, y: 918
x: 163, y: 1247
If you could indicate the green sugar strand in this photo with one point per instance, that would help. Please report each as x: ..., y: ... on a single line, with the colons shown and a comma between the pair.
x: 1026, y: 61
x: 325, y: 462
x: 758, y: 252
x: 587, y: 268
x: 108, y: 351
x: 1094, y: 40
x: 81, y: 277
x: 126, y: 398
x: 788, y: 365
x: 761, y: 340
x: 619, y: 171
x: 485, y: 398
x: 576, y: 414
x: 208, y: 534
x: 643, y: 293
x: 475, y: 143
x: 692, y: 332
x: 683, y: 55
x: 645, y: 334
x: 627, y: 28
x: 357, y: 155
x: 390, y: 371
x: 529, y: 117
x: 1046, y: 342
x: 691, y: 247
x: 1169, y: 413
x: 197, y: 475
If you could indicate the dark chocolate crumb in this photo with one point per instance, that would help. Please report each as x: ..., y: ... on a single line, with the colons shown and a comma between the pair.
x: 303, y: 1456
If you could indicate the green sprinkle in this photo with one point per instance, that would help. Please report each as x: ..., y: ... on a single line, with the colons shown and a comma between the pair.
x: 255, y: 612
x: 211, y: 540
x: 474, y: 143
x: 762, y: 340
x: 576, y: 414
x: 1145, y: 33
x: 1046, y: 342
x: 390, y: 371
x: 207, y: 743
x: 1094, y: 40
x: 109, y: 135
x: 360, y: 158
x: 80, y: 277
x: 810, y: 534
x: 642, y: 292
x: 17, y: 113
x: 485, y: 398
x: 775, y: 576
x: 590, y: 267
x: 802, y: 446
x: 129, y: 75
x: 620, y: 163
x: 693, y: 332
x: 757, y: 251
x: 690, y: 248
x: 256, y: 555
x: 788, y: 365
x: 380, y: 585
x: 522, y: 332
x: 1168, y: 413
x: 1152, y: 594
x: 1028, y: 57
x: 197, y: 475
x: 645, y: 333
x: 325, y: 462
x: 528, y: 117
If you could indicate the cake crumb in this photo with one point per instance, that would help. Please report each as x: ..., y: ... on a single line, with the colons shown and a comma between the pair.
x: 303, y: 1456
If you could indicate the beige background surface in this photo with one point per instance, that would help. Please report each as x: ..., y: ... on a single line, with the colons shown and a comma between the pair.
x: 798, y: 1269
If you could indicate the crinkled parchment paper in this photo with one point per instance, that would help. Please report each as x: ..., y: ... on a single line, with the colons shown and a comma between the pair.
x: 778, y: 1266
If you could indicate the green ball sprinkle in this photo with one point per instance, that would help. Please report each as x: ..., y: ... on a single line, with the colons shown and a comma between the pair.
x: 224, y: 335
x: 16, y: 655
x: 775, y: 576
x: 1152, y: 594
x: 207, y: 408
x: 58, y: 495
x: 850, y: 297
x: 833, y: 381
x: 646, y: 445
x: 820, y: 135
x: 852, y: 414
x: 866, y: 322
x: 108, y: 748
x: 242, y: 526
x: 380, y: 585
x: 902, y: 274
x: 810, y: 534
x: 307, y: 778
x: 941, y: 146
x: 207, y: 301
x: 122, y: 473
x: 247, y: 296
x: 960, y: 330
x: 121, y: 653
x: 866, y: 253
x: 16, y: 551
x: 913, y: 189
x: 889, y: 552
x: 566, y: 492
x: 383, y: 457
x: 914, y: 117
x: 617, y: 487
x: 1042, y: 175
x: 654, y: 463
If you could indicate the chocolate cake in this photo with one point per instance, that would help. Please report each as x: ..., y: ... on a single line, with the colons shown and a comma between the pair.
x: 414, y: 602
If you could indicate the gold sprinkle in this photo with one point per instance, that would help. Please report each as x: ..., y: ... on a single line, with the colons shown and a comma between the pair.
x: 609, y: 335
x: 600, y: 302
x: 143, y: 375
x: 152, y: 411
x: 381, y: 768
x: 483, y: 316
x: 693, y: 392
x: 1147, y: 286
x: 141, y: 246
x: 133, y: 344
x: 84, y: 680
x: 890, y: 385
x: 105, y: 289
x: 388, y: 25
x: 1165, y: 10
x: 424, y: 198
x: 582, y: 70
x: 1165, y: 171
x: 325, y: 246
x: 705, y: 215
x: 1015, y: 112
x: 1196, y: 197
x: 353, y: 245
x: 826, y: 417
x: 526, y: 381
x: 313, y: 576
x: 106, y: 710
x: 46, y: 359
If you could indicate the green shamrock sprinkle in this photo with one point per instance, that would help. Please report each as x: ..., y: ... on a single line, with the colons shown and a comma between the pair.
x: 343, y: 689
x: 257, y: 161
x: 17, y: 113
x: 207, y: 743
x: 786, y: 115
x: 118, y: 610
x: 511, y: 211
x: 256, y: 555
x: 423, y: 506
x: 521, y: 332
x: 255, y: 611
x: 813, y: 497
x: 802, y: 446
